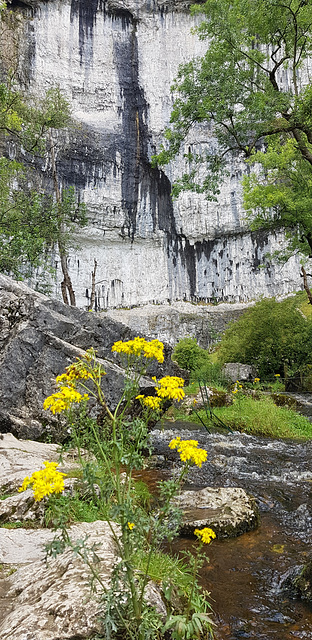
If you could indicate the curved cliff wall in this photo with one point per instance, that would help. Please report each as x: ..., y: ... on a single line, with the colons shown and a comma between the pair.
x: 115, y: 62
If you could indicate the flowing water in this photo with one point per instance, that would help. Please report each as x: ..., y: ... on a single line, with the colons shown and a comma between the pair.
x: 245, y: 574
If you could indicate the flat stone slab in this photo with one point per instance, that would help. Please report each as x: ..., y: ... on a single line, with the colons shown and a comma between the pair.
x: 53, y: 601
x: 20, y: 458
x: 22, y: 546
x: 228, y: 511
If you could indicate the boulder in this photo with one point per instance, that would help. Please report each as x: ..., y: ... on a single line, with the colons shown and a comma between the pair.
x: 238, y: 371
x: 229, y: 511
x: 39, y: 337
x: 297, y: 583
x: 53, y: 601
x: 20, y: 458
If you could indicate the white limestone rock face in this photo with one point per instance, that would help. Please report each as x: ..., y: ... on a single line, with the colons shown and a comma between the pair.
x: 53, y: 601
x: 115, y: 62
x: 172, y: 322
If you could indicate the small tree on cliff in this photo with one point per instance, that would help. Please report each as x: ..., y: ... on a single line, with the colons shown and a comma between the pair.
x: 33, y: 218
x: 251, y: 86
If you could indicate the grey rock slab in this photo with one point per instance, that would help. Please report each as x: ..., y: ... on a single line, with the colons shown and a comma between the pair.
x: 238, y: 371
x: 228, y: 511
x: 23, y: 546
x: 19, y: 507
x: 53, y: 601
x: 20, y: 458
x: 39, y: 338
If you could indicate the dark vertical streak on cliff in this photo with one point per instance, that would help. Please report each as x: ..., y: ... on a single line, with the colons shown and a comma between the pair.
x: 86, y: 12
x: 134, y: 113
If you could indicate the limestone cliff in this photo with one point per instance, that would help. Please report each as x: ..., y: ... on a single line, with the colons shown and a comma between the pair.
x: 115, y: 61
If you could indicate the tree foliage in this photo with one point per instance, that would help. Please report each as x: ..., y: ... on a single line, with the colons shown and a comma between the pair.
x: 32, y: 218
x: 251, y: 89
x: 275, y: 337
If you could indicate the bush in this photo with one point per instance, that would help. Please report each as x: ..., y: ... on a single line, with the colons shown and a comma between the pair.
x: 275, y: 337
x: 189, y: 355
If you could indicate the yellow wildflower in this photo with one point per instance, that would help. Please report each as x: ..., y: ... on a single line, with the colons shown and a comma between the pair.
x: 131, y: 525
x: 150, y: 401
x: 170, y: 387
x: 45, y: 481
x: 63, y: 399
x: 189, y: 451
x: 257, y: 380
x: 277, y: 375
x: 140, y: 347
x: 205, y: 535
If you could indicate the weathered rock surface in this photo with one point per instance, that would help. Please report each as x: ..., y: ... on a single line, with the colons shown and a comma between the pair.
x: 23, y: 546
x: 39, y: 337
x: 297, y: 582
x: 177, y: 320
x: 228, y: 511
x: 20, y: 458
x: 115, y: 62
x: 238, y: 371
x: 53, y: 601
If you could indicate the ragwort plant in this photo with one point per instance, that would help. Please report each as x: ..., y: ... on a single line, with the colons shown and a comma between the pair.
x: 134, y: 529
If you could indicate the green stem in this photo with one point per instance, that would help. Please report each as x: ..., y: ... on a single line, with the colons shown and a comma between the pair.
x: 194, y: 574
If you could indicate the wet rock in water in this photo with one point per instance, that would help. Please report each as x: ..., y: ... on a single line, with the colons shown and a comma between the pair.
x: 228, y: 511
x: 298, y: 582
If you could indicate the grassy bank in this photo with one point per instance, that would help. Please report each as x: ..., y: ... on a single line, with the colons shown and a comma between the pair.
x: 257, y: 416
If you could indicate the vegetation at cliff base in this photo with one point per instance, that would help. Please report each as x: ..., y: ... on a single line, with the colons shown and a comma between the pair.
x: 115, y: 443
x: 275, y: 337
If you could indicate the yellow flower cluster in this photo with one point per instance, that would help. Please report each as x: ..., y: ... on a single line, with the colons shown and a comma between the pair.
x: 67, y: 393
x: 237, y: 386
x: 150, y: 401
x: 63, y: 399
x: 188, y: 450
x: 257, y: 380
x: 45, y: 482
x: 141, y: 347
x: 205, y: 535
x: 131, y: 525
x: 170, y: 387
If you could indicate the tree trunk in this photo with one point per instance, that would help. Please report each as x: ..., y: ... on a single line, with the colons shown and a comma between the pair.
x: 92, y: 298
x: 66, y: 284
x: 305, y: 284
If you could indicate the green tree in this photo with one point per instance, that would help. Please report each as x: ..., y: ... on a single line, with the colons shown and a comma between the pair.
x: 34, y: 217
x: 275, y: 337
x: 251, y: 87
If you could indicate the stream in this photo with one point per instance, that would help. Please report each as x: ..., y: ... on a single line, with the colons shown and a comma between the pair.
x: 244, y: 574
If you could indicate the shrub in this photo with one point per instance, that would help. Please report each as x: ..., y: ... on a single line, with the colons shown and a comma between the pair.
x: 189, y: 355
x: 275, y: 337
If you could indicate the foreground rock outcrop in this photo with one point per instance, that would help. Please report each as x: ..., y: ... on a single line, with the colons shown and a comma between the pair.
x: 39, y: 337
x: 20, y: 458
x: 54, y: 601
